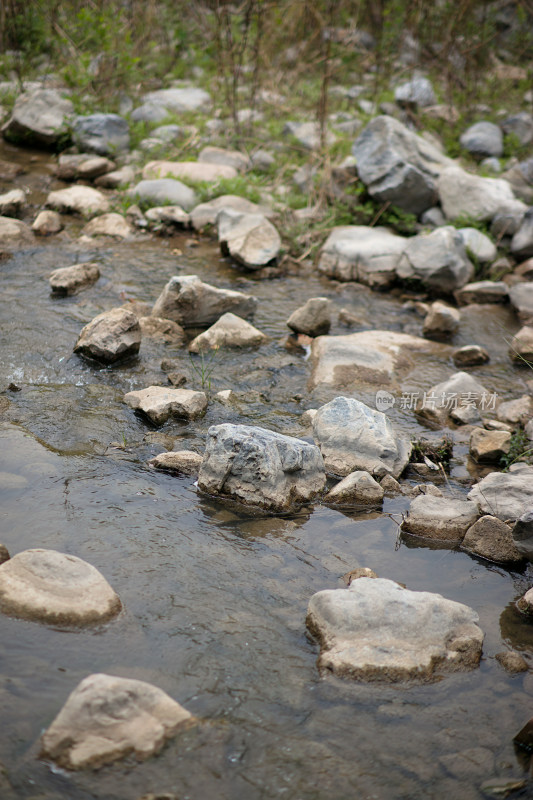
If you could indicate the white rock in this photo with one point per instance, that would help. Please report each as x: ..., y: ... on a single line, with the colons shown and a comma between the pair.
x: 180, y: 100
x: 164, y: 191
x: 206, y: 213
x: 228, y: 331
x: 108, y: 225
x: 14, y: 232
x: 313, y: 318
x: 174, y: 215
x: 521, y: 297
x: 189, y: 170
x: 483, y: 292
x: 479, y: 245
x: 47, y: 223
x: 12, y: 202
x: 483, y: 139
x: 465, y: 195
x: 83, y: 200
x: 440, y: 518
x: 360, y: 253
x: 506, y: 495
x: 248, y: 238
x: 159, y: 403
x: 194, y: 304
x: 40, y: 116
x: 460, y: 389
x: 357, y: 487
x: 117, y: 178
x: 231, y: 158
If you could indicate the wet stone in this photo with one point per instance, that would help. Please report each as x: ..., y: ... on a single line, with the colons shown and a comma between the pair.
x: 313, y: 318
x: 512, y: 662
x: 471, y: 355
x: 70, y: 280
x: 441, y: 518
x: 358, y: 487
x: 111, y: 336
x: 194, y: 304
x: 47, y: 223
x: 160, y: 403
x: 492, y: 539
x: 186, y: 462
x: 489, y: 445
x: 228, y: 331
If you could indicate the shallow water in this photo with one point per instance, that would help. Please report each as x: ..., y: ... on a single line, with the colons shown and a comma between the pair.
x: 215, y: 598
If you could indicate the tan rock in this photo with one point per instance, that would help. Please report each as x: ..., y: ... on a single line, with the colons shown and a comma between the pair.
x: 163, y: 329
x: 160, y: 403
x: 184, y: 461
x: 441, y: 518
x: 108, y: 225
x: 82, y: 200
x: 489, y: 445
x: 112, y: 335
x: 228, y: 331
x: 519, y: 410
x: 313, y: 318
x: 358, y: 487
x: 442, y: 321
x: 47, y: 223
x: 521, y: 346
x: 492, y: 539
x: 190, y: 170
x: 70, y: 280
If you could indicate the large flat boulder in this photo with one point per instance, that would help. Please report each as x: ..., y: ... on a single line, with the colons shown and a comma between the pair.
x: 110, y: 337
x: 107, y: 718
x: 437, y: 259
x: 260, y: 467
x: 250, y: 239
x: 55, y: 588
x: 363, y: 254
x: 351, y: 436
x: 506, y: 495
x: 440, y: 518
x: 40, y: 117
x: 194, y: 304
x: 376, y: 630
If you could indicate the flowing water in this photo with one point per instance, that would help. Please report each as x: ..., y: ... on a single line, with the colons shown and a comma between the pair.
x: 215, y: 598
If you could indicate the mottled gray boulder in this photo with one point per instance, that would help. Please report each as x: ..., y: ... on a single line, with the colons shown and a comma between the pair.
x: 180, y: 100
x: 521, y: 346
x: 352, y: 436
x: 250, y: 239
x: 440, y: 518
x: 188, y: 170
x: 164, y: 191
x: 104, y: 134
x: 111, y: 336
x: 228, y: 331
x: 519, y: 125
x: 479, y: 245
x: 489, y: 445
x: 483, y: 139
x: 159, y: 403
x: 506, y: 495
x: 523, y: 534
x: 465, y: 195
x: 521, y: 297
x: 507, y: 221
x: 55, y: 588
x: 459, y: 389
x: 376, y: 630
x: 398, y: 166
x: 229, y: 158
x: 358, y: 487
x: 13, y: 232
x: 47, y: 223
x: 78, y: 199
x: 313, y: 318
x: 12, y: 203
x: 262, y: 468
x: 194, y: 304
x: 492, y: 539
x: 416, y: 92
x: 206, y: 213
x: 363, y: 254
x: 107, y: 718
x: 187, y: 462
x: 109, y: 225
x: 39, y: 117
x: 522, y: 241
x: 70, y: 280
x: 437, y: 259
x: 441, y: 321
x: 482, y: 292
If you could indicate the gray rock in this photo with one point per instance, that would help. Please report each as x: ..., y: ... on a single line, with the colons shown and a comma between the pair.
x: 506, y: 495
x: 492, y: 164
x: 522, y: 241
x: 521, y: 346
x: 149, y: 112
x: 520, y: 125
x: 358, y: 487
x: 483, y: 139
x: 188, y: 170
x: 259, y: 467
x: 513, y: 663
x: 517, y: 411
x: 352, y: 436
x: 460, y: 389
x: 55, y: 588
x: 465, y: 195
x: 12, y: 202
x: 308, y: 134
x: 398, y: 166
x: 483, y: 292
x: 109, y: 225
x: 228, y: 331
x: 506, y: 222
x: 111, y: 336
x: 363, y: 254
x: 250, y: 239
x: 40, y: 117
x: 437, y: 259
x: 168, y: 133
x: 82, y: 166
x: 466, y: 415
x: 471, y: 355
x: 187, y: 462
x: 116, y: 179
x: 489, y: 445
x: 71, y: 280
x: 441, y: 321
x: 440, y: 518
x: 492, y: 539
x: 82, y: 200
x: 164, y: 191
x: 194, y: 304
x: 13, y: 232
x: 168, y: 215
x: 180, y: 100
x: 229, y: 158
x: 376, y: 630
x: 107, y: 718
x: 206, y: 213
x: 159, y: 403
x: 47, y: 223
x: 416, y: 92
x: 313, y: 318
x: 523, y: 534
x: 520, y: 176
x: 479, y: 245
x: 521, y: 297
x: 262, y: 160
x: 105, y: 134
x: 433, y: 217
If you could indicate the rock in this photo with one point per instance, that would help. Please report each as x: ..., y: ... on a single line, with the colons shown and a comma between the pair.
x: 83, y: 165
x: 118, y: 178
x: 164, y: 191
x: 437, y: 259
x: 358, y: 572
x: 70, y: 280
x: 105, y: 134
x: 440, y: 518
x: 491, y: 538
x: 159, y: 403
x: 361, y: 253
x: 356, y: 488
x: 351, y: 436
x: 40, y: 117
x: 149, y: 112
x: 109, y: 225
x: 483, y: 139
x: 262, y: 160
x: 525, y: 605
x: 194, y: 304
x: 521, y: 297
x: 162, y: 329
x: 471, y: 355
x: 517, y: 411
x: 179, y: 101
x: 398, y: 166
x: 173, y: 215
x: 14, y: 232
x: 460, y: 389
x: 308, y: 134
x: 228, y: 331
x: 520, y: 176
x: 424, y: 488
x: 522, y: 241
x: 169, y: 133
x: 414, y: 93
x: 313, y: 318
x: 82, y: 200
x: 11, y: 203
x: 262, y: 468
x: 250, y: 239
x: 55, y: 588
x: 110, y: 337
x: 523, y: 534
x: 189, y: 170
x: 524, y: 270
x: 206, y: 213
x: 433, y: 218
x: 492, y: 164
x: 512, y: 662
x: 441, y: 321
x: 479, y: 245
x: 376, y: 630
x: 465, y: 195
x: 483, y: 292
x: 229, y: 158
x: 506, y: 495
x: 374, y: 357
x: 390, y: 486
x: 489, y: 445
x: 466, y: 415
x: 106, y: 718
x: 186, y: 462
x: 47, y: 223
x: 521, y: 346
